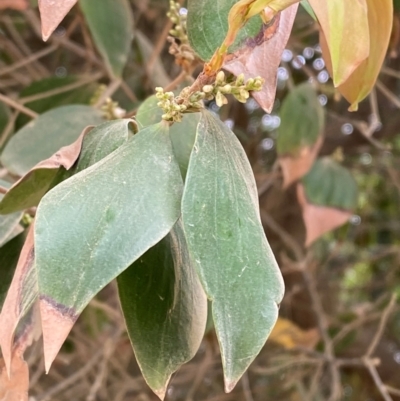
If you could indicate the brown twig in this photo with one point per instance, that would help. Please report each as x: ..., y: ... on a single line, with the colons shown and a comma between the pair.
x: 17, y: 106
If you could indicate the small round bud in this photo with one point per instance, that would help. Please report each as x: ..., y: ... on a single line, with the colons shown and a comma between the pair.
x: 208, y: 88
x: 226, y: 88
x: 220, y: 78
x: 220, y: 99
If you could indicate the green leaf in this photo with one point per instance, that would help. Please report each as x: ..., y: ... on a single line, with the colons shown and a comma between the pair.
x: 9, y: 224
x: 9, y: 254
x: 93, y: 226
x: 182, y: 133
x: 165, y: 309
x: 308, y: 8
x: 111, y: 25
x: 96, y: 145
x: 43, y: 136
x: 302, y: 120
x: 220, y: 214
x: 330, y: 184
x: 207, y: 26
x: 78, y: 95
x: 4, y: 116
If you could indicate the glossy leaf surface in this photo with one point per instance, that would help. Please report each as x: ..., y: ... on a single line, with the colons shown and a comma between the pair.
x: 165, y: 309
x: 222, y: 225
x: 94, y: 225
x: 43, y: 136
x: 111, y: 25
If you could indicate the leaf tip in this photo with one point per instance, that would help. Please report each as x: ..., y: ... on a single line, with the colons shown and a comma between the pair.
x: 230, y: 384
x: 57, y: 322
x: 160, y: 393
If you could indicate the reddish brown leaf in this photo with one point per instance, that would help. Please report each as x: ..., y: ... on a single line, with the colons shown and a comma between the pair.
x: 52, y: 12
x: 14, y: 4
x: 319, y: 219
x: 57, y: 322
x: 14, y: 384
x: 20, y: 297
x: 261, y: 56
x: 296, y: 166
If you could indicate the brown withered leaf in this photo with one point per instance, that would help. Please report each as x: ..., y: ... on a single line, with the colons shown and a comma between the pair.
x: 14, y: 4
x: 30, y: 188
x: 319, y: 219
x: 295, y: 167
x: 14, y: 382
x: 22, y: 294
x: 52, y: 12
x: 261, y: 56
x: 289, y: 335
x: 57, y: 322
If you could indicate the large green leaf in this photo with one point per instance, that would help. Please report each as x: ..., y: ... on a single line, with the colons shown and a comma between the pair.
x: 330, y: 184
x: 182, y: 133
x: 221, y: 220
x: 43, y: 136
x: 302, y: 120
x: 111, y: 25
x: 94, y: 225
x: 9, y: 224
x: 96, y: 145
x: 207, y: 26
x: 165, y: 309
x: 80, y: 95
x: 9, y: 254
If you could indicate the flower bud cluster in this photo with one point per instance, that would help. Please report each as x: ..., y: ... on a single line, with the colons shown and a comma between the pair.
x: 111, y: 110
x: 239, y: 88
x: 179, y: 20
x: 174, y: 107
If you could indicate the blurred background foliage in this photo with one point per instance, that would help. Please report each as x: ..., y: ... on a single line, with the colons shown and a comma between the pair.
x: 338, y: 289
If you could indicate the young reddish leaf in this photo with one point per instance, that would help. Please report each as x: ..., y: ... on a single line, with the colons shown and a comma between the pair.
x: 261, y: 56
x: 327, y: 195
x: 300, y: 132
x: 20, y: 298
x: 28, y: 190
x: 345, y: 27
x: 360, y: 83
x: 52, y: 13
x: 16, y: 5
